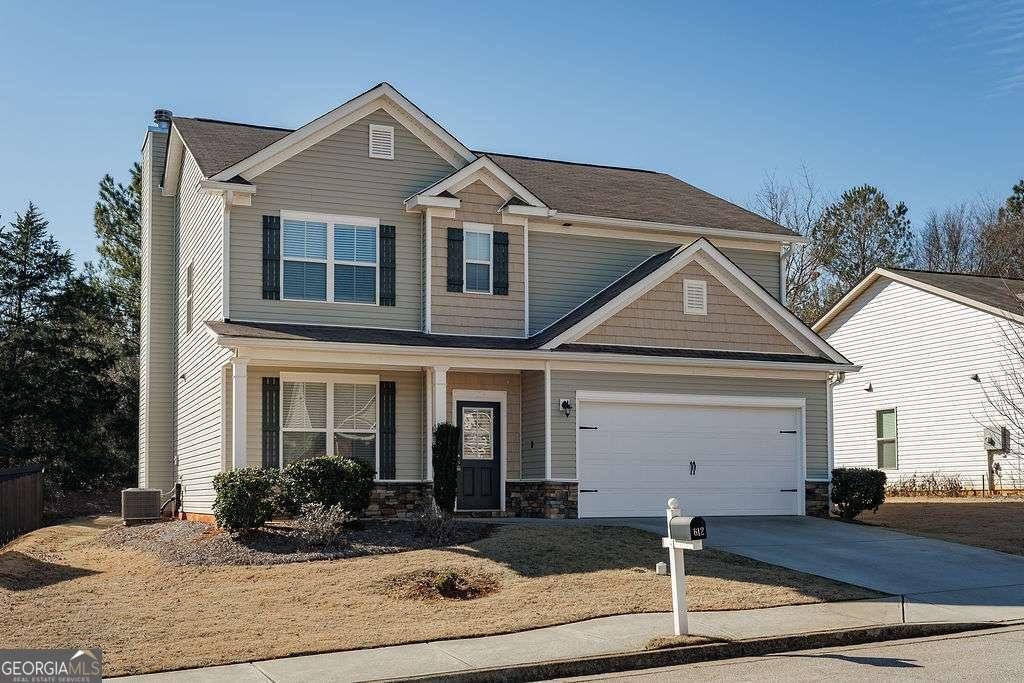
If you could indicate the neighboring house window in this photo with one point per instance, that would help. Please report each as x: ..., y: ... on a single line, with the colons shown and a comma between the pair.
x: 885, y: 438
x: 348, y: 276
x: 336, y: 417
x: 382, y: 142
x: 477, y: 258
x: 695, y: 297
x: 189, y: 285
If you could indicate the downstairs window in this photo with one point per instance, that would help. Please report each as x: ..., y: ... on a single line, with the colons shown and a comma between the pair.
x: 329, y: 415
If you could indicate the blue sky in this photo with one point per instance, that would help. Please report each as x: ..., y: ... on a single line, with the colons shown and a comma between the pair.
x: 923, y: 99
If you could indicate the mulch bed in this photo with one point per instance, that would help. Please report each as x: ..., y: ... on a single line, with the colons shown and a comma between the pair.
x: 183, y: 543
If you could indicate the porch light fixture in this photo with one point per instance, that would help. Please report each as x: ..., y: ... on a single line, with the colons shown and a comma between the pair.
x: 566, y: 406
x: 975, y: 377
x: 869, y: 388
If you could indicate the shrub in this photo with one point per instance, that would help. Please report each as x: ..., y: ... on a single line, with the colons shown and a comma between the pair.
x: 436, y: 526
x: 322, y: 525
x: 445, y: 459
x: 328, y: 481
x: 856, y: 489
x: 934, y: 484
x: 245, y: 497
x: 447, y: 583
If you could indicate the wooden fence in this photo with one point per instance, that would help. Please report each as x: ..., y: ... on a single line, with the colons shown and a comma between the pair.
x: 21, y: 501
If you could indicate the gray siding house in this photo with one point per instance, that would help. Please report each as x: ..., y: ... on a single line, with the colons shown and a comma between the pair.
x: 606, y: 337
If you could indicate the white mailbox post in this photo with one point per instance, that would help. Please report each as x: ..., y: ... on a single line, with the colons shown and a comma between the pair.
x: 684, y: 533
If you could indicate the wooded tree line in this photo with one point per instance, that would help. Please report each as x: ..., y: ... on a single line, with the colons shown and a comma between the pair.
x: 862, y: 229
x: 69, y: 345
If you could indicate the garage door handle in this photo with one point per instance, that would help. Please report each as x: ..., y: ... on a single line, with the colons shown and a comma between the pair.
x: 582, y: 427
x: 787, y: 431
x: 787, y: 490
x: 588, y: 490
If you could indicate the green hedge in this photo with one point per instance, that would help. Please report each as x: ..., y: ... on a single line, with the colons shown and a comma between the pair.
x: 245, y: 498
x: 856, y: 489
x: 445, y: 462
x: 326, y: 481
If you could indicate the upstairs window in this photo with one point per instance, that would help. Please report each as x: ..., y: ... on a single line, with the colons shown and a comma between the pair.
x: 329, y: 258
x: 885, y: 438
x: 477, y: 258
x: 695, y: 297
x: 189, y: 287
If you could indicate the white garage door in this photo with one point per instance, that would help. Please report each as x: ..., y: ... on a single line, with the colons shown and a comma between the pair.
x: 717, y: 460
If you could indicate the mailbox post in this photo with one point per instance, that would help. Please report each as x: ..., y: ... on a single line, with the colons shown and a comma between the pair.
x: 684, y: 533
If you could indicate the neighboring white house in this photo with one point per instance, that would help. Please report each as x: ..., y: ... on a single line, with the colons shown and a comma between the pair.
x: 936, y: 349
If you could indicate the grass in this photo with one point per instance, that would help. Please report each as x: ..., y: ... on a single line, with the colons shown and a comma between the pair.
x: 994, y: 523
x: 60, y: 587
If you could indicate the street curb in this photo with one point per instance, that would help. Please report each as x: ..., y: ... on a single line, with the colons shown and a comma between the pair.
x: 689, y: 654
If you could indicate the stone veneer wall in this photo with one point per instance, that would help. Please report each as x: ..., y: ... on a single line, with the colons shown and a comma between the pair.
x: 401, y: 500
x: 817, y: 498
x: 549, y: 499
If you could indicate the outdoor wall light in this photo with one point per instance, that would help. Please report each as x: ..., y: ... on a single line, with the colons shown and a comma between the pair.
x: 869, y: 388
x: 566, y: 406
x: 975, y: 377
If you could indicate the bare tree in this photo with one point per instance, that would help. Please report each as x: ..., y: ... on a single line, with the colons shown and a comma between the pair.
x: 796, y: 204
x: 1004, y: 393
x: 949, y: 240
x: 1001, y: 238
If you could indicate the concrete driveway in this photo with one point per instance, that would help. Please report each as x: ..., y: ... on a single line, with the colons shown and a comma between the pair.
x: 935, y: 575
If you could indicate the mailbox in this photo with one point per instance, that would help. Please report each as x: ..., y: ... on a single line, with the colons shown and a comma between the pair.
x: 687, y: 529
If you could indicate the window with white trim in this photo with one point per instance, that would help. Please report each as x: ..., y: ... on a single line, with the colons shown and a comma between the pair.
x: 382, y: 142
x: 695, y: 297
x: 885, y: 438
x: 477, y: 258
x: 189, y: 287
x: 329, y: 258
x: 335, y: 415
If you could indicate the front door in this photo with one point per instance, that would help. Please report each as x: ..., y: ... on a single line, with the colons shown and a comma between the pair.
x: 480, y: 480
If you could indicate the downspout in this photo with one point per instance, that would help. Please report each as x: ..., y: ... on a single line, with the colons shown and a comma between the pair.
x: 784, y: 254
x: 834, y: 380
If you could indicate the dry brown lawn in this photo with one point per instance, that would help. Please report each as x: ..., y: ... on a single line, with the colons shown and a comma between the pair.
x: 60, y: 587
x: 996, y: 523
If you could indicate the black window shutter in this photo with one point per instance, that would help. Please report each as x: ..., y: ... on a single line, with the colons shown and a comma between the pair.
x: 271, y: 422
x: 386, y: 428
x: 271, y: 257
x: 500, y: 284
x: 454, y: 259
x: 387, y: 265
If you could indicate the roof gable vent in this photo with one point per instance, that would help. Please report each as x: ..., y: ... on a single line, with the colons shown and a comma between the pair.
x: 382, y: 142
x: 695, y: 297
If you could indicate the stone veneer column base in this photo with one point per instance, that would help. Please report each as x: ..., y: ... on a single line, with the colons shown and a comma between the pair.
x: 816, y: 498
x: 401, y: 500
x: 542, y: 499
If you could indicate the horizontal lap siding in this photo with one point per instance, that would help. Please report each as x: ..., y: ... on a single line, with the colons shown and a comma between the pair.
x: 565, y: 384
x: 533, y: 424
x: 467, y: 312
x: 657, y: 319
x: 336, y: 176
x: 199, y: 437
x: 918, y: 352
x: 566, y: 270
x: 410, y: 418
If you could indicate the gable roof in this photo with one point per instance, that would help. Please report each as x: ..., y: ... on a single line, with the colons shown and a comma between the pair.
x: 217, y: 145
x: 629, y: 193
x: 990, y: 293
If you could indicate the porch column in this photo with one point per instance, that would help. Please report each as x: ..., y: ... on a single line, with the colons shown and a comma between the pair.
x: 239, y: 377
x: 437, y: 398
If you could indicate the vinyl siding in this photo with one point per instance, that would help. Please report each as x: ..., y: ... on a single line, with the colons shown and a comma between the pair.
x: 156, y: 333
x: 469, y: 312
x: 918, y: 352
x: 488, y: 381
x: 566, y: 270
x: 657, y: 319
x: 564, y: 384
x: 533, y: 424
x: 336, y: 176
x: 199, y: 437
x: 410, y: 417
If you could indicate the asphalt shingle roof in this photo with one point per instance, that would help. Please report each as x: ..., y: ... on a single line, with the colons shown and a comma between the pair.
x: 1002, y: 293
x: 216, y: 145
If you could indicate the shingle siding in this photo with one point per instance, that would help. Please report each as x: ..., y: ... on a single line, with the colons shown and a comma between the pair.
x: 565, y: 384
x: 336, y: 176
x: 566, y: 270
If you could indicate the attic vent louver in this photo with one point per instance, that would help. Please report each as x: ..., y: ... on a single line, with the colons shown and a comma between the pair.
x: 382, y: 142
x: 695, y: 297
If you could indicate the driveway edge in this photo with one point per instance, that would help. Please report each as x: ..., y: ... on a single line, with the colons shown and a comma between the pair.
x: 673, y: 656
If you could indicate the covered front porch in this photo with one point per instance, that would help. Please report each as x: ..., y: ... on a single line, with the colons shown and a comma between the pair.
x: 280, y: 407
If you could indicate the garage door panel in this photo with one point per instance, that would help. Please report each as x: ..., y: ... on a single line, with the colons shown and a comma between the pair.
x: 639, y: 456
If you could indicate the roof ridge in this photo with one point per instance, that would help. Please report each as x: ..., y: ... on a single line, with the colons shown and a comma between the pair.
x: 949, y: 272
x: 234, y: 123
x: 568, y: 163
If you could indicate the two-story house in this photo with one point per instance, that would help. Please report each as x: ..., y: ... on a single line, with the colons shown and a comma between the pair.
x: 606, y: 337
